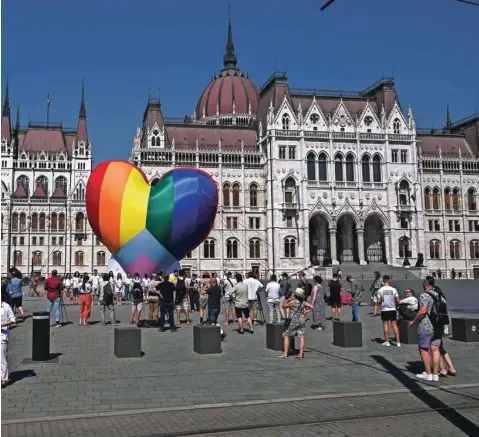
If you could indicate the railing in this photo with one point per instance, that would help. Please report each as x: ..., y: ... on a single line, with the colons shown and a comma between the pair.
x: 399, y: 137
x: 316, y: 134
x: 289, y: 206
x: 343, y: 184
x: 286, y: 133
x: 406, y: 208
x: 345, y: 135
x: 371, y: 136
x: 317, y: 184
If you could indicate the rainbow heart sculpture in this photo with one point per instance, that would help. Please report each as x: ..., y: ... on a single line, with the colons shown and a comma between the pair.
x: 150, y: 228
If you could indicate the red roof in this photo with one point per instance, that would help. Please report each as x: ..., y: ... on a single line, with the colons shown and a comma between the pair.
x: 20, y: 192
x: 449, y: 144
x: 185, y: 136
x: 39, y: 193
x: 6, y: 128
x: 48, y: 140
x: 58, y: 193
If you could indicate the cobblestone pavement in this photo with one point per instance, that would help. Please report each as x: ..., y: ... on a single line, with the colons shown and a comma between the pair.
x: 87, y: 381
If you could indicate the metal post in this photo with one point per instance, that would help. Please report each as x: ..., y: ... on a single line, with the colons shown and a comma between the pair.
x: 41, y: 336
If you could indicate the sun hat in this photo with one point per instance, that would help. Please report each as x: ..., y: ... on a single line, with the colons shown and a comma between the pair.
x: 299, y: 292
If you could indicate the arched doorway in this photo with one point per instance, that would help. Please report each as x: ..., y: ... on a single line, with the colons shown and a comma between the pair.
x: 374, y: 247
x: 346, y: 239
x: 319, y: 247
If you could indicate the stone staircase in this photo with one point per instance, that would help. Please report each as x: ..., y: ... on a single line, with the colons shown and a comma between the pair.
x: 367, y: 271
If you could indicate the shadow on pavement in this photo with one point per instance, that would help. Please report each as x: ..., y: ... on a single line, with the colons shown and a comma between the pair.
x: 18, y: 375
x: 448, y: 413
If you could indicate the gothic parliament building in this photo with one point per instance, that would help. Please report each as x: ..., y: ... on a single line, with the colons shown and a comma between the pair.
x: 306, y: 177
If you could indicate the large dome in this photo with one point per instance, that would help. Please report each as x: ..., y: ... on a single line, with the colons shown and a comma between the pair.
x: 231, y: 97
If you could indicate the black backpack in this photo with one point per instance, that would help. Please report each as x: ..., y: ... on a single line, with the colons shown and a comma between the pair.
x: 137, y: 292
x: 438, y: 315
x: 180, y: 290
x: 107, y: 291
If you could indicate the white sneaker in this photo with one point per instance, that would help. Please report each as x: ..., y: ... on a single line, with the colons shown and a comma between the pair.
x: 386, y: 343
x: 424, y: 376
x: 435, y: 378
x: 398, y: 344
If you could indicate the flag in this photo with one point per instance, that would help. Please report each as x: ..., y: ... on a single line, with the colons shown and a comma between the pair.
x: 48, y: 100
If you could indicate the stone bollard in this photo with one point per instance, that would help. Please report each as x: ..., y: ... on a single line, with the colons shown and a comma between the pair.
x: 41, y: 336
x: 407, y: 334
x: 127, y: 342
x: 347, y: 334
x: 465, y: 330
x: 207, y: 339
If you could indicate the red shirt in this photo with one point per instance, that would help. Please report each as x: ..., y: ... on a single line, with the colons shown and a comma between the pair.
x: 53, y: 287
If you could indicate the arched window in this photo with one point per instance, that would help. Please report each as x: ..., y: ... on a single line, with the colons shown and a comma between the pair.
x: 285, y: 121
x: 236, y: 194
x: 434, y: 249
x: 42, y: 181
x: 79, y: 193
x: 290, y: 247
x: 232, y: 248
x: 447, y: 199
x: 338, y: 167
x: 80, y: 222
x: 34, y: 221
x: 37, y: 258
x: 101, y: 258
x: 455, y: 249
x: 17, y: 258
x: 79, y: 258
x: 311, y: 166
x: 365, y: 161
x: 456, y: 202
x: 427, y: 198
x: 23, y: 181
x: 377, y: 168
x: 350, y: 167
x: 404, y: 245
x: 54, y: 221
x: 254, y: 248
x: 23, y: 221
x: 322, y: 168
x: 474, y: 249
x: 253, y: 195
x: 397, y: 126
x: 41, y: 222
x: 289, y: 190
x: 471, y: 199
x: 61, y: 222
x: 61, y: 183
x: 404, y: 195
x: 14, y: 221
x: 209, y: 248
x: 226, y: 194
x: 57, y: 258
x: 436, y: 198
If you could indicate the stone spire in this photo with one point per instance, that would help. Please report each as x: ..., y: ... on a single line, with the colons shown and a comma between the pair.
x: 448, y: 118
x: 230, y: 59
x: 82, y: 114
x: 6, y: 103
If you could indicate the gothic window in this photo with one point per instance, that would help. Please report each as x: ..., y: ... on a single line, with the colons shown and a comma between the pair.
x: 436, y: 199
x: 42, y: 181
x: 404, y: 248
x: 338, y: 168
x: 23, y: 181
x: 314, y: 118
x: 447, y: 199
x: 226, y: 194
x: 80, y: 222
x: 23, y: 221
x: 456, y: 202
x: 404, y: 198
x: 289, y: 190
x: 290, y: 247
x: 54, y: 221
x: 42, y: 222
x: 37, y: 258
x: 377, y: 168
x: 253, y: 195
x: 311, y: 166
x: 397, y: 126
x: 285, y: 121
x: 471, y: 199
x: 474, y: 249
x: 101, y: 258
x: 365, y: 167
x: 434, y: 249
x: 236, y: 194
x: 18, y: 258
x: 232, y: 248
x: 455, y: 249
x: 61, y: 222
x: 80, y: 193
x: 79, y: 258
x: 427, y: 198
x: 322, y: 169
x: 57, y: 258
x: 61, y: 182
x: 254, y: 248
x: 350, y: 167
x: 209, y: 248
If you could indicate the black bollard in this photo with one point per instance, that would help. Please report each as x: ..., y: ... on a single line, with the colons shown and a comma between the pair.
x: 41, y: 336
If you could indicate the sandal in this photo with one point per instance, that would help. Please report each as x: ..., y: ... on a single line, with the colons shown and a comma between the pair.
x: 452, y: 373
x: 300, y: 357
x: 283, y: 356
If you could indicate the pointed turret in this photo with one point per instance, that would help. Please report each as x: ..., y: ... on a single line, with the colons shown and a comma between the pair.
x: 230, y: 59
x: 448, y: 118
x: 82, y: 134
x: 6, y: 125
x: 17, y: 122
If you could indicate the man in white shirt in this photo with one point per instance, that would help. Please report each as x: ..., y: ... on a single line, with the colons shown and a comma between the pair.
x: 273, y: 292
x: 253, y: 287
x: 95, y: 282
x: 144, y: 283
x: 388, y: 298
x: 8, y: 319
x: 228, y: 302
x: 127, y: 281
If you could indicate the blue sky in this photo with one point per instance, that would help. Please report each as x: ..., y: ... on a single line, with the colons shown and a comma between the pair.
x: 122, y: 49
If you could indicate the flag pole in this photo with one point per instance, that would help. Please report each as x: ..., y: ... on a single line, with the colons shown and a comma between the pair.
x: 48, y: 109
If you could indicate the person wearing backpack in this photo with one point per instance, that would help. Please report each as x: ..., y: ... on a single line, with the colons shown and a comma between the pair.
x: 182, y: 301
x: 106, y: 300
x: 430, y: 320
x: 137, y: 299
x: 194, y: 292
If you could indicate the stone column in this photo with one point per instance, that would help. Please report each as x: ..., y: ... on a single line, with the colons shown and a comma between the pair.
x: 387, y: 248
x: 349, y: 249
x: 360, y: 233
x: 332, y: 243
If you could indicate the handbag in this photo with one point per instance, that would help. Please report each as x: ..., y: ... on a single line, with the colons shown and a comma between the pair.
x: 287, y: 322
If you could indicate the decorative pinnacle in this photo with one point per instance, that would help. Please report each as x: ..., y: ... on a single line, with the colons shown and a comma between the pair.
x: 230, y: 59
x: 82, y: 104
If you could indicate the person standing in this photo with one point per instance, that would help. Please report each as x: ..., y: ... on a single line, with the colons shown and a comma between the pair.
x: 153, y: 300
x: 95, y: 285
x: 85, y: 300
x: 305, y: 285
x: 34, y: 285
x: 205, y: 283
x: 127, y: 287
x: 375, y: 286
x: 53, y: 289
x: 166, y: 291
x: 67, y: 284
x: 388, y: 299
x: 15, y: 291
x: 182, y: 299
x: 214, y: 301
x: 240, y: 295
x: 228, y: 303
x: 8, y: 319
x: 319, y: 304
x: 356, y: 291
x: 119, y: 288
x: 137, y: 299
x: 335, y: 297
x: 254, y: 286
x: 194, y: 292
x: 286, y: 293
x: 273, y: 299
x: 106, y: 301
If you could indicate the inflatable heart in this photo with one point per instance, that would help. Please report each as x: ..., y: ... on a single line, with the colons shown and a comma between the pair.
x: 150, y: 228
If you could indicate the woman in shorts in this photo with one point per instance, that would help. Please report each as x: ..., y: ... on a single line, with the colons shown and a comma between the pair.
x: 205, y: 283
x: 240, y: 296
x: 76, y: 283
x: 119, y: 288
x: 67, y: 285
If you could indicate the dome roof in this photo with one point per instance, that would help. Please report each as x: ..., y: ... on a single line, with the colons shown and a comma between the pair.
x: 230, y: 93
